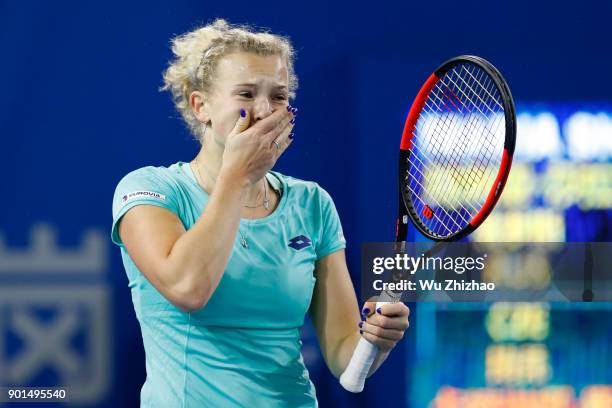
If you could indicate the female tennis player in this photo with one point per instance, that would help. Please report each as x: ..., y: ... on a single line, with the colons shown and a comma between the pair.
x: 224, y: 256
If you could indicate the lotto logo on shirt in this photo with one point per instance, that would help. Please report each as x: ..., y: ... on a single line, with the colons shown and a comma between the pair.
x: 300, y: 242
x: 142, y: 194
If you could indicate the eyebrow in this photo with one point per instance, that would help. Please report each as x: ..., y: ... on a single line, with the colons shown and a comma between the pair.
x: 252, y: 85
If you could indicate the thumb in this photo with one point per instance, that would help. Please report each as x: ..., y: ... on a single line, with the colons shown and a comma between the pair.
x: 242, y: 123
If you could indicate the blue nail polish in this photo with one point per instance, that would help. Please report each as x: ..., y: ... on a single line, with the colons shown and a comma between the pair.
x: 291, y: 135
x: 378, y: 311
x: 365, y: 311
x: 242, y: 113
x: 292, y: 121
x: 360, y: 324
x: 289, y: 108
x: 360, y: 331
x: 294, y: 111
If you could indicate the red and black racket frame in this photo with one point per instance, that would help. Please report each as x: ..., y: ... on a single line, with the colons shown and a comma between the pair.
x: 406, y: 206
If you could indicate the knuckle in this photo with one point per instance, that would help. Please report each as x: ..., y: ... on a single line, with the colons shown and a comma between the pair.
x: 267, y: 128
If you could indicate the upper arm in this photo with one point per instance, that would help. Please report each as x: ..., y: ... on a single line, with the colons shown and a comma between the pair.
x: 334, y: 309
x: 146, y: 223
x: 148, y: 234
x: 331, y: 238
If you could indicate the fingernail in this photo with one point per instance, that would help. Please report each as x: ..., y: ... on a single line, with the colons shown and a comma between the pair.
x: 360, y: 331
x: 291, y: 135
x: 242, y: 113
x: 365, y: 311
x: 292, y: 121
x: 289, y: 108
x: 378, y: 311
x: 294, y: 111
x: 360, y: 324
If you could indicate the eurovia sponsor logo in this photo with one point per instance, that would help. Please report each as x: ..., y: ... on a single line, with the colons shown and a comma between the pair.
x: 143, y: 194
x: 300, y: 242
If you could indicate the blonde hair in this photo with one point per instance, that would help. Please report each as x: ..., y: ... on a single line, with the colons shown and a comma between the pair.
x: 198, y: 52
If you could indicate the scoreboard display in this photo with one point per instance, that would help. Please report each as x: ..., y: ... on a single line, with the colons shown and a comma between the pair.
x: 544, y: 355
x: 512, y: 355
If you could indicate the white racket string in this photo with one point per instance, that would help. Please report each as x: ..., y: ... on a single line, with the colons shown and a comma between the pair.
x: 456, y: 150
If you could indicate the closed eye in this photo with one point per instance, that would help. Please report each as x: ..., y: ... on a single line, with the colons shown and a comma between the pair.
x: 249, y: 95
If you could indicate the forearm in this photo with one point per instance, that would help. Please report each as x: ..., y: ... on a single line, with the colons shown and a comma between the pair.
x: 339, y: 360
x: 199, y: 257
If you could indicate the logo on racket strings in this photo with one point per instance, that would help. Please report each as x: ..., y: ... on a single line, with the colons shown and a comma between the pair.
x: 427, y: 212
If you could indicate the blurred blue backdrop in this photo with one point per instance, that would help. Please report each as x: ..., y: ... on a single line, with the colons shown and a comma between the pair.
x: 80, y: 108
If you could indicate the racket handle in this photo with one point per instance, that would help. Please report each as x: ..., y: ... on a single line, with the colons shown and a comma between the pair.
x: 353, y: 378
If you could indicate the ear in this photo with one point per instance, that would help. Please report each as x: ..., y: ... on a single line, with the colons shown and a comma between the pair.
x: 200, y: 106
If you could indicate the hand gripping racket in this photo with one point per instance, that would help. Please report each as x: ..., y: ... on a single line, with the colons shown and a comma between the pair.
x: 455, y: 157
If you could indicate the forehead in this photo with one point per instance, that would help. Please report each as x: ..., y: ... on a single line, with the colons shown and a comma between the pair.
x: 243, y: 67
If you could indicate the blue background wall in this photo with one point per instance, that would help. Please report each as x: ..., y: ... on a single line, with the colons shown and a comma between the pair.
x: 80, y: 108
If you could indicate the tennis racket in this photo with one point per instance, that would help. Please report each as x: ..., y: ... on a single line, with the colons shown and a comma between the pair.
x: 455, y: 157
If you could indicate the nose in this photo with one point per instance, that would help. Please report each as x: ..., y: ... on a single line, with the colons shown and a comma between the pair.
x: 262, y: 108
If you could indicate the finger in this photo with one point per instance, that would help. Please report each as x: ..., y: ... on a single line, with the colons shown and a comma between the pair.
x: 288, y: 121
x: 278, y: 119
x: 393, y: 309
x: 242, y: 123
x: 368, y: 309
x: 283, y: 140
x: 381, y: 344
x: 279, y: 147
x: 385, y: 322
x: 386, y: 334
